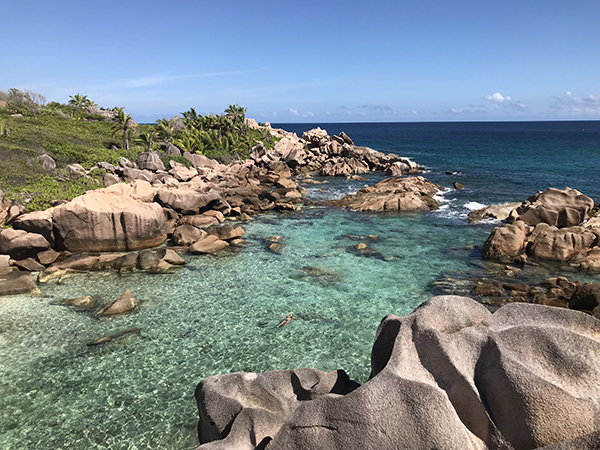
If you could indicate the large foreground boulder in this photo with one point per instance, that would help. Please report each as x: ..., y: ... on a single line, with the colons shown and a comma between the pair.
x: 448, y: 376
x: 105, y: 221
x: 393, y: 194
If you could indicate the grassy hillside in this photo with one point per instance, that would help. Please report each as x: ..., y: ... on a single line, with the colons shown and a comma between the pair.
x: 67, y: 141
x: 70, y: 135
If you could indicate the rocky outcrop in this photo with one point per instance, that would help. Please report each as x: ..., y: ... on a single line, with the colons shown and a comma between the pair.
x: 20, y: 244
x: 393, y: 194
x: 150, y: 161
x: 107, y: 222
x: 559, y: 208
x: 208, y: 244
x: 451, y: 375
x: 15, y: 282
x: 548, y: 226
x: 39, y: 222
x: 496, y: 212
x: 187, y: 201
x: 329, y: 155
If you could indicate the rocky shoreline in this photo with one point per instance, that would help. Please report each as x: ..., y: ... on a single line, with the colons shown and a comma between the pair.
x: 144, y: 206
x: 455, y: 374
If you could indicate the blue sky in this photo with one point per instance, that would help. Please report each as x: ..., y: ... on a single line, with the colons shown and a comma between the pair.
x: 312, y: 61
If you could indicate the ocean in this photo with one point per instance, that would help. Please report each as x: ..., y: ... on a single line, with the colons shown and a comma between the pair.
x: 219, y: 314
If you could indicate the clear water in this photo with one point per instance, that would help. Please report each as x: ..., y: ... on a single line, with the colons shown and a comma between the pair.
x: 220, y: 314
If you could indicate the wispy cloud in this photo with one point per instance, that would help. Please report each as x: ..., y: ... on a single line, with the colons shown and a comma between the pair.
x: 294, y: 112
x: 372, y: 107
x: 573, y: 105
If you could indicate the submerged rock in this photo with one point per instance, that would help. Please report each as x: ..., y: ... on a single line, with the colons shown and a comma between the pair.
x: 125, y: 303
x: 320, y: 274
x: 84, y: 303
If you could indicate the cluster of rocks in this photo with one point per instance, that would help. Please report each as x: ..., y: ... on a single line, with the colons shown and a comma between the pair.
x: 556, y: 291
x: 393, y: 194
x: 553, y: 225
x: 450, y: 375
x: 124, y: 304
x: 144, y: 203
x: 316, y: 151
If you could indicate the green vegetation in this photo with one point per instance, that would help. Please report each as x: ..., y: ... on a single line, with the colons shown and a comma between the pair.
x: 80, y: 132
x: 223, y: 137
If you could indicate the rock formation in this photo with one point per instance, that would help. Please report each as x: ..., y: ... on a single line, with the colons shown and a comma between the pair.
x: 393, y: 194
x: 549, y: 226
x: 107, y: 222
x: 497, y: 212
x: 451, y: 375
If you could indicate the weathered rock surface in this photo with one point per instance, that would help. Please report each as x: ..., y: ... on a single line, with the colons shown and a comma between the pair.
x: 560, y: 208
x: 39, y: 222
x: 506, y: 242
x: 20, y: 244
x: 187, y: 201
x: 186, y: 235
x: 393, y: 194
x: 5, y: 205
x: 208, y: 244
x: 125, y: 303
x: 16, y: 282
x: 498, y: 212
x: 150, y: 161
x: 47, y: 162
x: 105, y: 221
x: 548, y: 227
x: 448, y: 376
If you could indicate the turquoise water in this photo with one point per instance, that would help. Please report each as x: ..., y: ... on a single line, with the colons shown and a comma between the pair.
x: 220, y: 314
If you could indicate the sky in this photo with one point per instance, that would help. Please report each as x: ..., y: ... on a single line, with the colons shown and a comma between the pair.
x: 311, y: 61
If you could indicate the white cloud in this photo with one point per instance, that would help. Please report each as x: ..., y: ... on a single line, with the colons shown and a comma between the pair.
x: 294, y: 112
x: 308, y: 114
x: 497, y: 98
x: 570, y: 104
x: 372, y: 107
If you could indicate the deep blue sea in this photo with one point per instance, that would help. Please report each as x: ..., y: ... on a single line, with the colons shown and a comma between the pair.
x: 219, y: 314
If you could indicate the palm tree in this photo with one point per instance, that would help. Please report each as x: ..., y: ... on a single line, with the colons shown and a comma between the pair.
x: 165, y: 130
x: 238, y: 115
x: 80, y: 101
x: 146, y: 138
x: 123, y: 123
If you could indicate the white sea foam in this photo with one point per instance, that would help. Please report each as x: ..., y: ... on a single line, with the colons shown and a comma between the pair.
x: 472, y: 206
